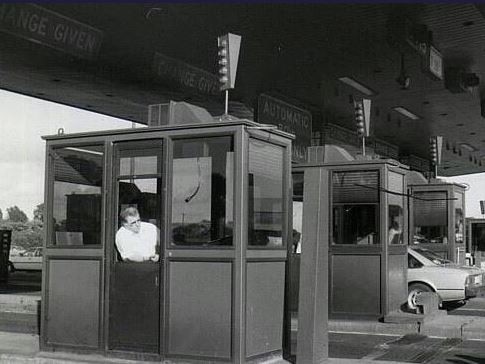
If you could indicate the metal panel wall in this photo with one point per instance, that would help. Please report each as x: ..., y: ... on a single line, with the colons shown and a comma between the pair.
x: 265, y: 287
x: 347, y: 284
x: 397, y: 281
x: 73, y: 302
x: 199, y: 312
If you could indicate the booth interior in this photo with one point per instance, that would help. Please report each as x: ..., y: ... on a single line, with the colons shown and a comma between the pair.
x: 475, y: 240
x: 218, y: 194
x: 438, y: 218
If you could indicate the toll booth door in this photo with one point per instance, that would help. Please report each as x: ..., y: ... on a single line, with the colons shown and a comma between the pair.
x: 134, y: 298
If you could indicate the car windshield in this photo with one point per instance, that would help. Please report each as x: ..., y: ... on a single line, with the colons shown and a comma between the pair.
x: 435, y: 258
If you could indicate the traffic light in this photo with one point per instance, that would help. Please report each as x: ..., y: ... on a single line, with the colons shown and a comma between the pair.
x: 229, y: 45
x: 433, y: 151
x: 362, y: 117
x: 359, y: 118
x: 435, y: 145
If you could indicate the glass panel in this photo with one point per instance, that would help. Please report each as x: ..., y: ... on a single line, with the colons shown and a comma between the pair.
x: 139, y: 165
x: 202, y: 191
x: 395, y: 209
x: 265, y: 193
x: 430, y: 217
x: 355, y: 207
x: 478, y: 237
x: 297, y: 212
x: 355, y: 224
x: 77, y: 195
x: 353, y: 187
x: 459, y: 218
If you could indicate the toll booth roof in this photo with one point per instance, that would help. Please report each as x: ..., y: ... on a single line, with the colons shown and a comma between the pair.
x: 369, y: 162
x: 440, y: 182
x: 216, y: 124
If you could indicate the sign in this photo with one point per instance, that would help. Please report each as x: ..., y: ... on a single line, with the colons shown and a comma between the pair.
x: 435, y: 62
x: 51, y: 29
x: 482, y: 207
x: 288, y: 118
x: 169, y: 69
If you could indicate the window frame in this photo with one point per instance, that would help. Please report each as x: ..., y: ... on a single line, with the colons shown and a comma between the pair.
x: 339, y: 205
x: 170, y: 141
x: 50, y: 192
x: 287, y: 194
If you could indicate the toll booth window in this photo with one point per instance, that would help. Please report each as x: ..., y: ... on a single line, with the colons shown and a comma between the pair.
x: 478, y: 237
x: 77, y: 195
x: 459, y: 218
x: 430, y: 217
x: 297, y: 212
x: 355, y: 199
x: 395, y: 209
x: 203, y: 192
x: 139, y: 178
x: 265, y: 194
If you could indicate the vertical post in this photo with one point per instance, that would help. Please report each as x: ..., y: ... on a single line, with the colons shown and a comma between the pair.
x: 312, y: 338
x: 363, y: 146
x: 226, y: 104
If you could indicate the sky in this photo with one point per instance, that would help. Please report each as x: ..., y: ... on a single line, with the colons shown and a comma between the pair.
x: 474, y: 194
x: 23, y: 120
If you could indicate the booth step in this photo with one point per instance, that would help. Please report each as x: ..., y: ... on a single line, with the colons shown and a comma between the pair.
x: 27, y: 323
x: 19, y: 303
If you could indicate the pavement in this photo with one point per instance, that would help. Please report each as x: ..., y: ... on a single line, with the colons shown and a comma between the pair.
x: 377, y: 340
x: 412, y: 339
x: 19, y: 348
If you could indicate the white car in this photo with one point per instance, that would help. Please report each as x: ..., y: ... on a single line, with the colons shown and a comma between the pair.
x: 428, y: 272
x: 29, y: 260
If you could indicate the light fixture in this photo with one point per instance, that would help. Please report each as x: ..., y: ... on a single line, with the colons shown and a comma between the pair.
x: 468, y: 147
x: 358, y: 86
x: 403, y: 111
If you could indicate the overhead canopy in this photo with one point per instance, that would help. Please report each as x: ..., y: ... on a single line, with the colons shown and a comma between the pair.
x: 118, y: 58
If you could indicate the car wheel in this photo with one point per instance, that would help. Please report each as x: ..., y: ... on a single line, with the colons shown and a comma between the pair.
x: 414, y: 290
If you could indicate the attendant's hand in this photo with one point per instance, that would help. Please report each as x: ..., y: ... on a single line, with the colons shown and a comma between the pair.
x: 154, y: 258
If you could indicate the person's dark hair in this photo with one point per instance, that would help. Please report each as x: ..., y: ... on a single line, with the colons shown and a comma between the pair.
x: 128, y: 211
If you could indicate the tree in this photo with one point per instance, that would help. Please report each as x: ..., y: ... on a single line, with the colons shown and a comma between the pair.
x: 39, y: 212
x: 16, y: 215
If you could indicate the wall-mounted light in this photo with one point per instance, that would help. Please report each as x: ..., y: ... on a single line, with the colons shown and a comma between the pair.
x: 468, y: 147
x: 358, y: 86
x: 407, y: 113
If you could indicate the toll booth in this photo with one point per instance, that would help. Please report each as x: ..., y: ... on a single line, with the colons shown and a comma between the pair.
x: 219, y: 195
x: 475, y: 240
x: 437, y: 218
x: 367, y: 239
x: 5, y: 242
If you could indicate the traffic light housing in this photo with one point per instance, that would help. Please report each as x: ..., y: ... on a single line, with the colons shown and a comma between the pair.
x: 435, y: 147
x: 362, y: 117
x: 433, y: 151
x: 228, y: 55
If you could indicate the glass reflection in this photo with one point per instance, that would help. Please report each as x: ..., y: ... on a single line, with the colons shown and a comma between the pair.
x: 202, y: 191
x: 77, y: 195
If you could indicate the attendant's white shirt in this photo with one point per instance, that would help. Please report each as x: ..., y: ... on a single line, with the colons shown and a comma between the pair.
x: 137, y: 247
